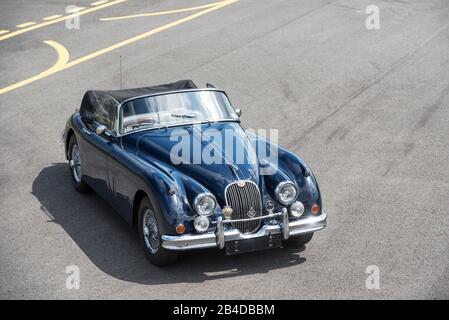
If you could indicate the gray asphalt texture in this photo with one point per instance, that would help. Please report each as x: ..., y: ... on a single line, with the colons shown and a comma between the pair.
x: 367, y: 110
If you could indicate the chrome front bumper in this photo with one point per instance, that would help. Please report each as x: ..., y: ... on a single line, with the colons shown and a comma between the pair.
x: 221, y: 236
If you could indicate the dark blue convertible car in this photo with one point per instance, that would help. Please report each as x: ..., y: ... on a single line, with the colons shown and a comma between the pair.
x: 175, y: 163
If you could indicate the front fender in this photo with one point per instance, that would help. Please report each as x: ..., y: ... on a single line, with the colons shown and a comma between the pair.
x: 296, y: 168
x: 176, y: 192
x: 289, y: 166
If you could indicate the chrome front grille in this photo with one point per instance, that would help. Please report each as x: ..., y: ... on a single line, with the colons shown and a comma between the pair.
x: 244, y: 199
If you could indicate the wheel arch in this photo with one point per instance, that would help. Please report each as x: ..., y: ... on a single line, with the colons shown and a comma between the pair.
x: 69, y: 135
x: 140, y: 194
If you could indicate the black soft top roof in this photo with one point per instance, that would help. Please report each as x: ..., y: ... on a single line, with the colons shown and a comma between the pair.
x: 125, y: 94
x: 97, y: 99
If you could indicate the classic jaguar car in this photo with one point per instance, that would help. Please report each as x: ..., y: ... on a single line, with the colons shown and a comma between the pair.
x: 121, y: 144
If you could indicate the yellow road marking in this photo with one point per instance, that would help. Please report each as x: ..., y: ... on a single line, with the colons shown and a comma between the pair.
x: 63, y: 58
x: 162, y: 12
x: 76, y: 9
x: 3, y: 31
x: 98, y: 2
x: 47, y: 23
x: 52, y: 17
x: 63, y: 55
x: 26, y: 24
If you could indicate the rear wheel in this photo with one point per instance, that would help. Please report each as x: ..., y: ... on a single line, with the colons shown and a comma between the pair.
x: 75, y: 166
x: 299, y: 241
x: 150, y: 232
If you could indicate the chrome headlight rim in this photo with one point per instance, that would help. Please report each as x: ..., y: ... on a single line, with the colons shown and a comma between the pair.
x: 198, y: 199
x: 279, y: 188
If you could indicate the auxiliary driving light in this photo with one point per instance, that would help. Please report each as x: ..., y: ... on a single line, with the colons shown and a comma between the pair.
x: 201, y: 224
x: 297, y: 209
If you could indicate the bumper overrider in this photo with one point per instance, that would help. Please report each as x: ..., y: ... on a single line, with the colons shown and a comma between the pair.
x: 273, y: 228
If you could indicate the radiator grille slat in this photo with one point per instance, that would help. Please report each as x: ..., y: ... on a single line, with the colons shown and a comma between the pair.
x: 244, y: 198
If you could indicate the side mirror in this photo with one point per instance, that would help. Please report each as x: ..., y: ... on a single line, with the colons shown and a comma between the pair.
x: 100, y: 129
x: 238, y: 112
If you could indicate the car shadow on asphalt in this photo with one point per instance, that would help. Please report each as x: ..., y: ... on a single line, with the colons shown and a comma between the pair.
x: 113, y: 246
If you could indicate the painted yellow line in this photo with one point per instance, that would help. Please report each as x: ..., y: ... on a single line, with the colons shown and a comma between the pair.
x: 98, y: 2
x: 148, y: 34
x: 162, y: 12
x: 75, y: 9
x: 63, y: 54
x: 47, y: 23
x: 26, y: 24
x: 3, y: 31
x: 52, y: 17
x: 63, y: 58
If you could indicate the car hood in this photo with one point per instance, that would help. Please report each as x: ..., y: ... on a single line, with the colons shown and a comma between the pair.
x: 221, y: 163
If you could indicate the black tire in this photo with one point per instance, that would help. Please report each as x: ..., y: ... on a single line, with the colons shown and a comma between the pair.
x: 78, y: 182
x: 153, y: 249
x: 299, y: 241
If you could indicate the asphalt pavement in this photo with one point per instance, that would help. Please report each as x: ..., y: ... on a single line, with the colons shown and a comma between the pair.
x: 366, y: 108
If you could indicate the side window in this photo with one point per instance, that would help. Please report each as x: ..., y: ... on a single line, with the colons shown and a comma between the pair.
x: 106, y: 112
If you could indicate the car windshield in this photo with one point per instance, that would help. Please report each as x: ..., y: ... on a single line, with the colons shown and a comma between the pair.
x: 176, y: 108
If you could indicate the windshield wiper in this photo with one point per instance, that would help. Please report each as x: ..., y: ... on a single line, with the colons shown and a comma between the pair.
x: 141, y: 124
x: 189, y: 116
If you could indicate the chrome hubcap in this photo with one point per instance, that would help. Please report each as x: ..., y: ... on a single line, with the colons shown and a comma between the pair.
x: 150, y: 232
x: 75, y: 163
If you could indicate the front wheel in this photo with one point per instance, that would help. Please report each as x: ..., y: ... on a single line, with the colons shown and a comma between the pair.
x: 150, y: 231
x: 299, y: 241
x: 75, y: 166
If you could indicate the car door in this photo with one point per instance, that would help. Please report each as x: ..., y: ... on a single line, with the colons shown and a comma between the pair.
x: 97, y: 147
x: 123, y: 181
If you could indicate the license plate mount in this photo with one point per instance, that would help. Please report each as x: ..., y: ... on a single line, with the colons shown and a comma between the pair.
x: 256, y: 244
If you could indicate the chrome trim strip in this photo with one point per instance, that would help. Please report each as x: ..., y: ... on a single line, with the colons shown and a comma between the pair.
x: 86, y: 131
x: 268, y: 216
x: 171, y: 92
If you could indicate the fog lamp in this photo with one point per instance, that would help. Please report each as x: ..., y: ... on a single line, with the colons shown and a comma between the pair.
x: 297, y: 209
x: 201, y: 224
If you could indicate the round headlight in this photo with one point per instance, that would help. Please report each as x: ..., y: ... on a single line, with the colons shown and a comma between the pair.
x: 286, y: 192
x: 201, y: 224
x: 297, y: 209
x: 205, y: 204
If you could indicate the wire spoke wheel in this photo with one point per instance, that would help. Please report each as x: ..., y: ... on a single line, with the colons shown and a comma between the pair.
x: 75, y: 163
x: 150, y: 232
